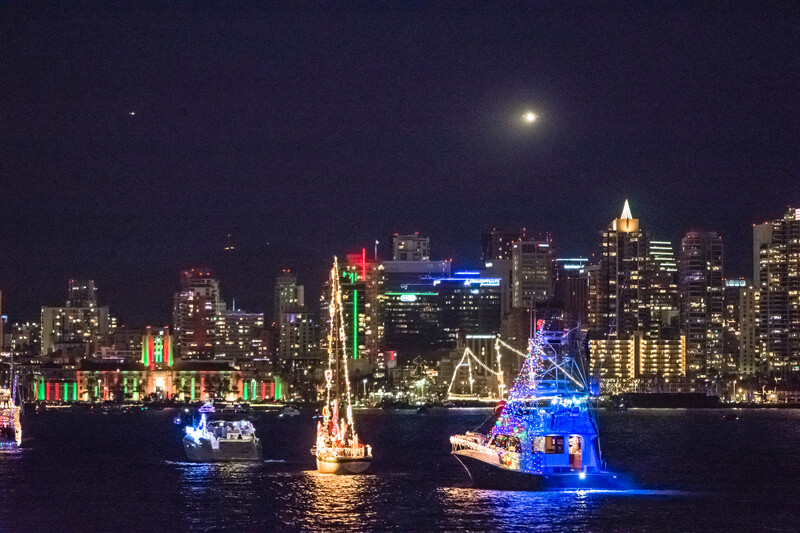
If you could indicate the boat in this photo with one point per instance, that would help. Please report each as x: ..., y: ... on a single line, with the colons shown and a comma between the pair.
x: 338, y: 450
x: 546, y: 435
x: 288, y: 412
x: 222, y: 439
x: 10, y: 425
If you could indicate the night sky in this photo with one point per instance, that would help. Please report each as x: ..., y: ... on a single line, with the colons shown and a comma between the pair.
x: 305, y: 131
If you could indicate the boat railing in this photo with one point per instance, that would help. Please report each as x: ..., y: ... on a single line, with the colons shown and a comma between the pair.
x: 350, y: 452
x: 468, y: 442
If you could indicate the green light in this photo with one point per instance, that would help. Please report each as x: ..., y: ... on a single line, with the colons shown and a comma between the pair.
x: 41, y: 390
x: 125, y: 385
x: 75, y: 391
x: 355, y: 324
x: 144, y: 352
x: 192, y: 387
x: 244, y: 388
x: 65, y: 392
x: 278, y: 388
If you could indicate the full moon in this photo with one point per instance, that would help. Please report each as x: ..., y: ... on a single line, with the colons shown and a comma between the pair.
x: 530, y: 116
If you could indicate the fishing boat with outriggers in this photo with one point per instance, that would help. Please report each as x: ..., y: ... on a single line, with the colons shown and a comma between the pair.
x: 221, y: 438
x: 338, y: 450
x: 546, y: 434
x: 10, y: 424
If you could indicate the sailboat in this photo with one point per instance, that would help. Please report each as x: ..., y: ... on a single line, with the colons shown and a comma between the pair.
x: 10, y: 426
x: 546, y: 436
x: 338, y: 450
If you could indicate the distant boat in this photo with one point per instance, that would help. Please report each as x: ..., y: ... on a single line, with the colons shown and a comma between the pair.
x: 546, y: 436
x: 221, y: 439
x: 338, y: 450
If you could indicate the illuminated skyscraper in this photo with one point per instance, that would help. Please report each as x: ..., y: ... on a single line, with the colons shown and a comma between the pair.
x: 778, y: 244
x: 572, y: 288
x: 197, y: 310
x: 497, y: 244
x: 362, y: 298
x: 633, y: 307
x: 80, y: 325
x: 411, y: 247
x: 242, y: 335
x: 620, y: 306
x: 702, y: 303
x: 288, y: 294
x: 532, y: 271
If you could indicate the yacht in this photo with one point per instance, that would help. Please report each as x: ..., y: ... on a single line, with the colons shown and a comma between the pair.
x: 546, y: 435
x: 221, y: 440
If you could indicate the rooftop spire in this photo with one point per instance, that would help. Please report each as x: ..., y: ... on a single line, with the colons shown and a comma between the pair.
x: 626, y: 211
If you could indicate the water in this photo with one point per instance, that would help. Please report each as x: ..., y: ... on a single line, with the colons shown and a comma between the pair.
x: 695, y: 471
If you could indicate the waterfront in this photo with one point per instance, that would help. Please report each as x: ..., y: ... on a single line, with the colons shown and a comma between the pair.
x: 694, y: 470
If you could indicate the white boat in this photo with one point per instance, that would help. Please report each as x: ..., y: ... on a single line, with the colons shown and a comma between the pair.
x: 338, y: 450
x: 221, y: 440
x: 546, y: 436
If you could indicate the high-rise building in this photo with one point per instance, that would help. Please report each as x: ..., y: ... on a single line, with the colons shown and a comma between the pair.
x: 778, y: 244
x: 633, y: 306
x: 288, y: 294
x: 242, y: 335
x: 410, y: 247
x: 572, y: 288
x: 298, y: 336
x: 497, y: 244
x: 702, y: 302
x: 662, y: 296
x: 740, y: 319
x: 80, y: 325
x: 620, y: 306
x: 362, y: 298
x: 532, y: 271
x: 82, y: 293
x: 197, y: 310
x: 434, y: 313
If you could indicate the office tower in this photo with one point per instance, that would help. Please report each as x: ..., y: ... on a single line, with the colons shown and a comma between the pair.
x: 778, y: 244
x: 572, y: 289
x: 740, y: 320
x: 620, y: 290
x: 702, y: 302
x: 411, y: 247
x: 435, y: 312
x: 82, y: 293
x: 661, y: 284
x: 633, y: 306
x: 79, y: 326
x: 532, y: 271
x: 197, y: 310
x: 241, y: 335
x: 362, y: 296
x: 288, y: 294
x: 497, y: 244
x: 298, y: 336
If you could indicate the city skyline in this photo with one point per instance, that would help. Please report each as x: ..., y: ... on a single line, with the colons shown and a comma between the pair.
x: 226, y: 266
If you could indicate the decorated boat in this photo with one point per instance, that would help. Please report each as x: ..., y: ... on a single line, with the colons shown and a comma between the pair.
x: 221, y: 438
x: 338, y: 450
x: 546, y: 434
x: 10, y: 425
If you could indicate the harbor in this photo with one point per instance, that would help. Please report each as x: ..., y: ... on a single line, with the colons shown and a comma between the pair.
x: 693, y: 469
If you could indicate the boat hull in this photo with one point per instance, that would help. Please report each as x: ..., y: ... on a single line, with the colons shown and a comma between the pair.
x: 485, y: 475
x: 202, y: 452
x: 342, y: 465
